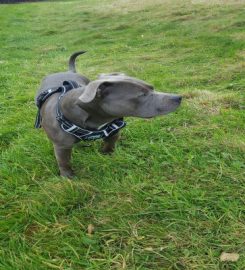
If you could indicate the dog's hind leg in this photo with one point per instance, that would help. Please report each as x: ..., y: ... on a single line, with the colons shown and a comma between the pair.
x: 63, y: 156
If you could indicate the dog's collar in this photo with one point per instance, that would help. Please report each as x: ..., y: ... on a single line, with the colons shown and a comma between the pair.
x: 105, y: 131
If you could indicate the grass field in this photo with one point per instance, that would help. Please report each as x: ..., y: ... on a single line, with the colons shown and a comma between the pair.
x: 172, y: 196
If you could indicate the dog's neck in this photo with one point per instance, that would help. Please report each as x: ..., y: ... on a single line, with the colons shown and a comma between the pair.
x: 85, y: 115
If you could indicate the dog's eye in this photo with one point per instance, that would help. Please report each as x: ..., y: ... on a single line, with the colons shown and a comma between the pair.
x: 144, y: 94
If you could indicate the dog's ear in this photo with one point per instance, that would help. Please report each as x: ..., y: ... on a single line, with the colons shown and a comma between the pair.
x: 94, y: 89
x: 111, y: 75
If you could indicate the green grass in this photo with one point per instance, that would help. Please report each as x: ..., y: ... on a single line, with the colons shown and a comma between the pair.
x: 172, y: 195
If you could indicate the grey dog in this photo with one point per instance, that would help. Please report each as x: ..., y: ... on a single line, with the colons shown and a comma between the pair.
x: 95, y: 103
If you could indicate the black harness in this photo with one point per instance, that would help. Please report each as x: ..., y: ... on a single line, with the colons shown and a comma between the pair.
x: 107, y: 130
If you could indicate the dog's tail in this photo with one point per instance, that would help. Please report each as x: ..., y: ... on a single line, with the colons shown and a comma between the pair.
x: 72, y: 60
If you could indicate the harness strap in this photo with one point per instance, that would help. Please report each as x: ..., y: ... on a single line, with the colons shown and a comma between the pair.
x: 89, y: 135
x: 39, y: 102
x: 43, y: 96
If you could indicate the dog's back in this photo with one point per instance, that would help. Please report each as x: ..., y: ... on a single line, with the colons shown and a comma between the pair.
x: 56, y: 79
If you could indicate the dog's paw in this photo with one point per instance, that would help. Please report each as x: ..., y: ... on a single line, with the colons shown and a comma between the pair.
x: 107, y: 150
x: 67, y: 174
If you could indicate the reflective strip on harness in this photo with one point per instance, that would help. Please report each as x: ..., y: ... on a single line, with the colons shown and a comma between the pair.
x: 71, y: 128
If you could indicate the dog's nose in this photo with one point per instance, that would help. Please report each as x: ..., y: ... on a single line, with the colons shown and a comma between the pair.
x: 177, y: 99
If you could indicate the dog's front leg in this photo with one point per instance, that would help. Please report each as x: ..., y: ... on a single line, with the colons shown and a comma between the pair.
x: 109, y: 144
x: 63, y: 156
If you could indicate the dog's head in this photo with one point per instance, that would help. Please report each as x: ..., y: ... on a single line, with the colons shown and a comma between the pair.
x: 120, y: 95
